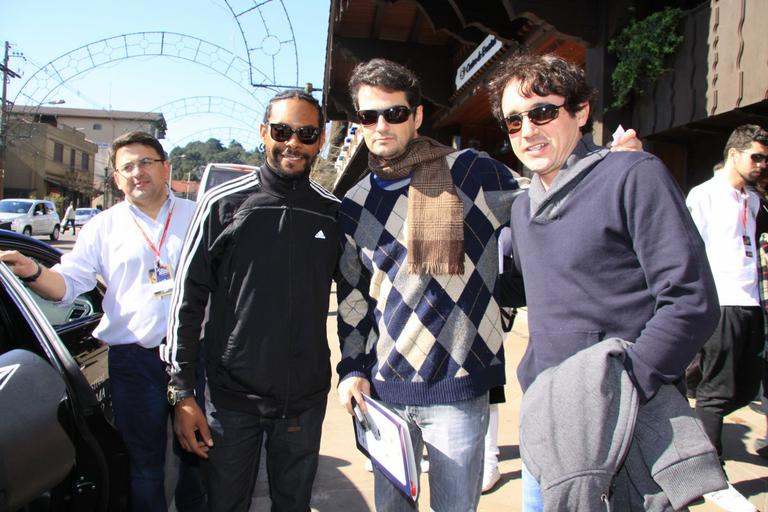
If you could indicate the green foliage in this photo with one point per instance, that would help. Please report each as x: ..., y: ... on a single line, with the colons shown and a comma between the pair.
x: 641, y: 49
x: 190, y: 161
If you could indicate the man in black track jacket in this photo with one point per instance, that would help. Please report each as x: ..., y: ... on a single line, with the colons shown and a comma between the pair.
x: 260, y: 254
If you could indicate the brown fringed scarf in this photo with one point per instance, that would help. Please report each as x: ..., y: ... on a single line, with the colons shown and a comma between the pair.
x: 435, y: 212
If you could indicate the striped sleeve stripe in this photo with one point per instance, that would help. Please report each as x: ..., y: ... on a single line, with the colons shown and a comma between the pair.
x: 322, y: 191
x: 191, y: 244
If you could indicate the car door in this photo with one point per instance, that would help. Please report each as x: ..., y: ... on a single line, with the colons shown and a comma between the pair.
x: 63, y: 335
x: 39, y: 221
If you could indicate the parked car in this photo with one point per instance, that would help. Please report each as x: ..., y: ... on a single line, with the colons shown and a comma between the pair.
x: 216, y: 174
x: 60, y: 449
x: 30, y: 216
x: 83, y: 215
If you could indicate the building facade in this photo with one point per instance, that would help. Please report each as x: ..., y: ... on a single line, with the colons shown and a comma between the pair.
x: 717, y: 78
x: 99, y: 127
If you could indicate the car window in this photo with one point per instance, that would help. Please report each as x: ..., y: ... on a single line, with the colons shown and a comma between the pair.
x: 49, y: 208
x: 13, y: 206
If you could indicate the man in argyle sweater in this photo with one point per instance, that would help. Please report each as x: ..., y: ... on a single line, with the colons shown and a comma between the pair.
x: 418, y: 324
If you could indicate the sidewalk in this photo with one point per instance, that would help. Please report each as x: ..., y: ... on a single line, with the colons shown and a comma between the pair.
x: 342, y: 482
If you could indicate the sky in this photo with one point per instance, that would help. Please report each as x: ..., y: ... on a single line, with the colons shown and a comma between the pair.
x: 103, y: 55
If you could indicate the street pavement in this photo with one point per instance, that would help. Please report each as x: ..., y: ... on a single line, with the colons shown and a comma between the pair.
x: 342, y: 483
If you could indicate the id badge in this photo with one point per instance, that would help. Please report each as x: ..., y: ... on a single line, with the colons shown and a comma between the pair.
x: 747, y: 246
x: 161, y: 279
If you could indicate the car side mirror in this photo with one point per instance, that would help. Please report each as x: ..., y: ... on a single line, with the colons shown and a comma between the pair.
x: 37, y: 452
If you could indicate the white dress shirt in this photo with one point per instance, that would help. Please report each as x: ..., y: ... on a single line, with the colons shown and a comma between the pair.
x: 112, y: 246
x: 718, y: 211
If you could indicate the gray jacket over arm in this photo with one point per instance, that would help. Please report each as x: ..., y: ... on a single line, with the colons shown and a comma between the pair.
x: 591, y: 445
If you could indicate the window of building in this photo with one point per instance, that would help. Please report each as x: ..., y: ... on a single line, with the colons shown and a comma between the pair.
x: 58, y: 152
x: 84, y: 161
x: 71, y: 158
x: 96, y: 126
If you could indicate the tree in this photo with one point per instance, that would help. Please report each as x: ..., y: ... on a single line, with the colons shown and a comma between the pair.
x: 188, y: 162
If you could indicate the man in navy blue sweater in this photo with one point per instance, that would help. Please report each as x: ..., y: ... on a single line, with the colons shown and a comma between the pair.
x: 604, y: 240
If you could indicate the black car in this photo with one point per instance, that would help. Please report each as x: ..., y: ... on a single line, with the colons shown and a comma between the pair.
x: 59, y: 450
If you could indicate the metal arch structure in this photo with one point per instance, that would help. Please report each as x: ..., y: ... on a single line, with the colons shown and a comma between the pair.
x: 248, y: 138
x: 193, y: 105
x: 256, y: 17
x: 138, y: 44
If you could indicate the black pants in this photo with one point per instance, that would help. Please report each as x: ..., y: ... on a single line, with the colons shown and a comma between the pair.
x: 293, y: 447
x: 731, y: 368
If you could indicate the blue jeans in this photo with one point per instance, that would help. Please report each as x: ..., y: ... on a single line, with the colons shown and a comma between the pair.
x: 454, y: 435
x: 293, y: 448
x: 138, y: 383
x: 532, y: 499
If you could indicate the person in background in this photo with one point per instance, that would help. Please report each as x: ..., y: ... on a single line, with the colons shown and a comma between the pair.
x: 725, y: 210
x: 69, y: 218
x: 138, y: 268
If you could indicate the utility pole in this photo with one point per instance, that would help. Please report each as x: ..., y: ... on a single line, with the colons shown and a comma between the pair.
x: 4, y: 119
x: 7, y: 75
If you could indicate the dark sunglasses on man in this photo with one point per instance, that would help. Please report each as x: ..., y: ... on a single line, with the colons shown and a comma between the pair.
x: 282, y: 132
x: 758, y: 158
x: 392, y: 115
x: 539, y: 116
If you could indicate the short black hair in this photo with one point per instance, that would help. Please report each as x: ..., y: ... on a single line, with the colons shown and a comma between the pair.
x: 387, y: 75
x: 743, y: 136
x: 297, y: 94
x: 135, y: 137
x: 542, y: 75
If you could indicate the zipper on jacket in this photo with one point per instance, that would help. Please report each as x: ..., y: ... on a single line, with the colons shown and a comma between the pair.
x: 605, y: 498
x: 289, y: 205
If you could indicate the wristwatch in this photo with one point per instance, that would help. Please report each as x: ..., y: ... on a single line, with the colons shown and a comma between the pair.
x: 176, y: 395
x: 32, y: 278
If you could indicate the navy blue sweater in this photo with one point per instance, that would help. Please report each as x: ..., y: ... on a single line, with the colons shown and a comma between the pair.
x: 620, y: 257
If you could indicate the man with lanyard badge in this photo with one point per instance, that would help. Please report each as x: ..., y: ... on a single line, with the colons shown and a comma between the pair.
x: 133, y: 246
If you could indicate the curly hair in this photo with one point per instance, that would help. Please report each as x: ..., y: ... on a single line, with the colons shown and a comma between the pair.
x: 743, y: 136
x: 542, y: 75
x: 387, y: 75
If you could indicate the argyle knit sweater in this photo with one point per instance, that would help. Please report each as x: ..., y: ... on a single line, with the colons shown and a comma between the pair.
x: 422, y: 339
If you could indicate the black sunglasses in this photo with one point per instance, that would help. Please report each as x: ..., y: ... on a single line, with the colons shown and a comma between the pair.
x: 758, y: 158
x: 392, y: 115
x: 540, y: 115
x: 282, y: 132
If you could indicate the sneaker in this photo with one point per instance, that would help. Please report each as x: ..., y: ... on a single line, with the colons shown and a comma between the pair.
x: 730, y: 499
x: 490, y: 479
x: 761, y: 447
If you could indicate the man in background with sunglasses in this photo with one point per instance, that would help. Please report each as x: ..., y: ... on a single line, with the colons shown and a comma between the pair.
x: 260, y: 255
x: 604, y: 244
x: 724, y: 209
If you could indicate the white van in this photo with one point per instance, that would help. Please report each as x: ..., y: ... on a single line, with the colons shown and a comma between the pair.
x: 30, y: 216
x: 216, y: 174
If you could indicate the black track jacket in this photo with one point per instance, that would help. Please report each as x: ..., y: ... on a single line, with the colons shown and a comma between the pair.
x: 264, y: 249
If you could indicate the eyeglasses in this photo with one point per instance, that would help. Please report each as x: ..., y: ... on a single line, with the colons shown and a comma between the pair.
x: 758, y: 158
x: 540, y: 115
x: 282, y: 132
x: 142, y: 164
x: 392, y: 115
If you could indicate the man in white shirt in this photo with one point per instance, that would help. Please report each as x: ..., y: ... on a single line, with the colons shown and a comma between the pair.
x: 134, y: 246
x: 724, y: 210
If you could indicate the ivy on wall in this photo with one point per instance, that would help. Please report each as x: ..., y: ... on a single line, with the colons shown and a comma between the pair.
x: 641, y: 50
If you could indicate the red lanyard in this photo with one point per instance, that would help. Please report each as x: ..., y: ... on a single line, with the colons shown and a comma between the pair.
x: 744, y: 213
x: 156, y: 249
